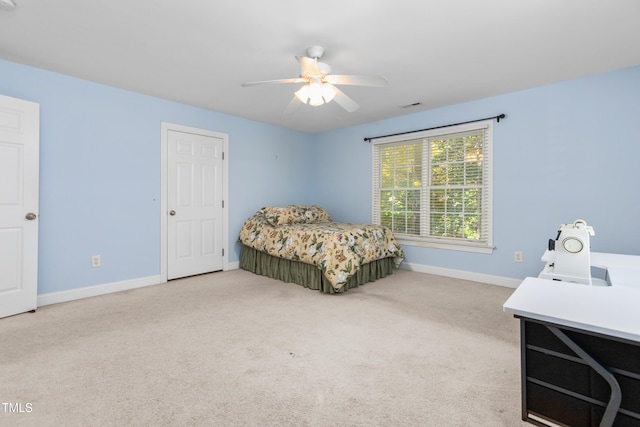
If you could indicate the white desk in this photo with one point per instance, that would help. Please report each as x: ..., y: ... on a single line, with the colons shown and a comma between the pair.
x: 609, y: 310
x: 565, y: 326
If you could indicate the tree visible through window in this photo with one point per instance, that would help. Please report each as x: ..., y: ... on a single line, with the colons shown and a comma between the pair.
x: 436, y: 185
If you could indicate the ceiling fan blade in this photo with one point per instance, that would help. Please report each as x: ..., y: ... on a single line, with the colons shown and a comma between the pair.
x: 344, y: 101
x: 269, y: 82
x: 378, y: 81
x: 292, y: 106
x: 309, y: 65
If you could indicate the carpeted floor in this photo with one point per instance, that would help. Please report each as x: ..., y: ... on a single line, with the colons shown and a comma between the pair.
x: 237, y: 349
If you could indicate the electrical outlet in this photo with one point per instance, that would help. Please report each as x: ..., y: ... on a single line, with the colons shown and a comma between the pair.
x: 96, y: 261
x: 517, y: 256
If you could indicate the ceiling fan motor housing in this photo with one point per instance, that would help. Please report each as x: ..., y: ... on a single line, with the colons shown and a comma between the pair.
x: 324, y: 68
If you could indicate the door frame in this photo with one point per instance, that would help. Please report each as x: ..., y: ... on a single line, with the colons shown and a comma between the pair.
x: 165, y: 127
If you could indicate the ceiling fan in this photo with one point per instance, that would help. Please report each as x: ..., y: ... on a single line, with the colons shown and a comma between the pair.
x: 319, y: 84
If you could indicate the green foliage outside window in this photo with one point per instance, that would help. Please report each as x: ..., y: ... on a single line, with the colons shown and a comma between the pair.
x: 451, y: 181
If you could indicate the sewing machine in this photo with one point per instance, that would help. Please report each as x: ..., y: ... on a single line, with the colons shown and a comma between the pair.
x: 568, y: 257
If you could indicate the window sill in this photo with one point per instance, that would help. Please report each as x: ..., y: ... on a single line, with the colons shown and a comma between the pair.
x: 452, y: 246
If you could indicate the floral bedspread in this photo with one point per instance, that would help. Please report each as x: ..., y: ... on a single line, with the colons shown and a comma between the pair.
x: 338, y: 249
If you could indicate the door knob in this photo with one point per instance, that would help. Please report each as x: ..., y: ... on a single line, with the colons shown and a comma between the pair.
x: 30, y: 216
x: 172, y: 212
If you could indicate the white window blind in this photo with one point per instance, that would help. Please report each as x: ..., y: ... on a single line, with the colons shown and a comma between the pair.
x: 434, y: 187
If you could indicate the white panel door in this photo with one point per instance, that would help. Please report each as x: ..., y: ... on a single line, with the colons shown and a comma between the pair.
x: 19, y: 160
x: 194, y: 202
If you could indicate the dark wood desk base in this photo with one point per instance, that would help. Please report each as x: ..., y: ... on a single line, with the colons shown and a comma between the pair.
x: 573, y: 377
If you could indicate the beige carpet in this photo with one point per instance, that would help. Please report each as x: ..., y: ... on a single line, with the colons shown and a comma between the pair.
x: 237, y: 349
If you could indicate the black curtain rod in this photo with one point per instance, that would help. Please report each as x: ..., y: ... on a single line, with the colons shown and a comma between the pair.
x: 499, y: 117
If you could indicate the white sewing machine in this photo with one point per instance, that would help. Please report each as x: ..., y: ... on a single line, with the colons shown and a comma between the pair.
x: 568, y: 257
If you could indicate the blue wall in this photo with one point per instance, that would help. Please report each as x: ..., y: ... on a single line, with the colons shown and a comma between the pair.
x: 100, y: 174
x: 565, y: 151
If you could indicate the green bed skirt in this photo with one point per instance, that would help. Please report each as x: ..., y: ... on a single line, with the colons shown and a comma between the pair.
x: 307, y: 275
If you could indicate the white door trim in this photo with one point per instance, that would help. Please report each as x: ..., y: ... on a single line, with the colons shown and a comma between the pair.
x: 165, y: 128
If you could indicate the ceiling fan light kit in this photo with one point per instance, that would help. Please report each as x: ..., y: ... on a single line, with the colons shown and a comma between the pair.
x: 316, y: 93
x: 319, y: 86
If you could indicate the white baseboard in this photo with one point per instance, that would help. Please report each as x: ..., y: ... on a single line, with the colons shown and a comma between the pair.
x: 461, y: 274
x: 107, y: 288
x: 125, y: 285
x: 92, y: 291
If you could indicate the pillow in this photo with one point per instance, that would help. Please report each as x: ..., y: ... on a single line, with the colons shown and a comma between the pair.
x: 295, y: 214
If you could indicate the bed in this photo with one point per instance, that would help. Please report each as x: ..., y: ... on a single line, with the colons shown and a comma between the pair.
x: 303, y: 245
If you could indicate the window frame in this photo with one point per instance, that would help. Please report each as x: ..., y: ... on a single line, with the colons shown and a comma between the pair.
x: 459, y: 244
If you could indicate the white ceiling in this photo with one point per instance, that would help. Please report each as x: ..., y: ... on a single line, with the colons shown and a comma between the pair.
x: 437, y: 52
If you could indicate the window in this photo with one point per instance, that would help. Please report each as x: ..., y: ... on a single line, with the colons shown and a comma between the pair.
x: 433, y: 188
